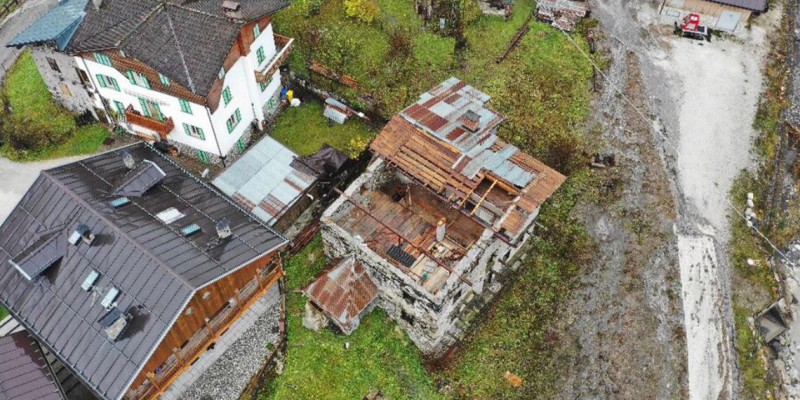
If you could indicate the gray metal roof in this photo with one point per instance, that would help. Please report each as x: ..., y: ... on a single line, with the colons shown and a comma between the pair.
x: 263, y: 180
x: 57, y: 25
x: 24, y: 375
x: 184, y: 40
x: 155, y: 268
x: 753, y: 5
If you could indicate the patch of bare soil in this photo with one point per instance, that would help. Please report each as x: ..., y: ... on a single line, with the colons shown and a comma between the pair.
x: 626, y: 321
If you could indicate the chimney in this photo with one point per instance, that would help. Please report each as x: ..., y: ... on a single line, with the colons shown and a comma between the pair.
x: 97, y: 4
x: 82, y: 232
x: 471, y: 120
x: 128, y: 160
x: 224, y: 228
x: 231, y: 9
x: 441, y: 229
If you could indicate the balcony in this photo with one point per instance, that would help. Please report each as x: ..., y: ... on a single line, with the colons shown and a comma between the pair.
x: 163, y: 128
x: 284, y: 48
x: 177, y: 363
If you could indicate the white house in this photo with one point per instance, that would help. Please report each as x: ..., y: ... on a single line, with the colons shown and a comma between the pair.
x: 199, y: 74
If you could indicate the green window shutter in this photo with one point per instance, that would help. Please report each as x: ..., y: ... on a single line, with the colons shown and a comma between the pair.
x: 145, y: 109
x: 271, y: 103
x: 164, y: 79
x: 102, y: 59
x: 260, y: 54
x: 256, y: 30
x: 146, y: 82
x: 238, y: 116
x: 230, y: 125
x: 263, y: 86
x: 241, y: 145
x: 185, y: 106
x: 120, y: 107
x: 186, y: 129
x: 202, y: 156
x: 114, y: 83
x: 226, y: 95
x: 129, y: 74
x: 102, y: 80
x: 158, y: 110
x: 221, y: 72
x: 201, y: 133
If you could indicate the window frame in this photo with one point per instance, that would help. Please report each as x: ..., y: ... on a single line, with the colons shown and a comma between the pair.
x: 138, y: 79
x: 53, y: 64
x: 185, y: 106
x: 233, y: 121
x: 164, y: 79
x: 256, y: 30
x: 194, y: 131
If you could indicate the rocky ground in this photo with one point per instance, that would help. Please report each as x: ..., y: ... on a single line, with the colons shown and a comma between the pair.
x: 654, y: 318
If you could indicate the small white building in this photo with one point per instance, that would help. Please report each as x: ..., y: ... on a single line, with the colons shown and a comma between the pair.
x: 200, y: 75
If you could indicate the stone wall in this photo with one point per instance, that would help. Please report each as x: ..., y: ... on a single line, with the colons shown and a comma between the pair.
x: 64, y: 85
x: 433, y: 322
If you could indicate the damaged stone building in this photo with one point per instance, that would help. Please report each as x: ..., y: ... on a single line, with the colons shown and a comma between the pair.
x: 444, y: 207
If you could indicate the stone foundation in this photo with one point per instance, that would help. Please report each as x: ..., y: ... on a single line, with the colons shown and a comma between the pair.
x: 65, y: 85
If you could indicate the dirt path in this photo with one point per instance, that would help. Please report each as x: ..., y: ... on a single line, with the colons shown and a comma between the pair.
x: 663, y: 275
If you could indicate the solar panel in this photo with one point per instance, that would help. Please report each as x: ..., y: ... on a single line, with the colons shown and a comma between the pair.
x: 190, y: 230
x: 401, y: 256
x: 88, y: 283
x: 110, y: 297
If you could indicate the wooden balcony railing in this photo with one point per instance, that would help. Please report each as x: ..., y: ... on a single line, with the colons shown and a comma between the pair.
x: 163, y: 128
x: 158, y: 381
x: 285, y: 45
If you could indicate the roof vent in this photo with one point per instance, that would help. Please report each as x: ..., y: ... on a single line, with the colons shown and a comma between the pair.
x: 224, y: 228
x: 230, y: 6
x: 471, y: 120
x: 82, y: 232
x: 128, y: 160
x: 114, y: 323
x: 119, y: 202
x: 90, y: 281
x: 140, y: 179
x: 190, y: 230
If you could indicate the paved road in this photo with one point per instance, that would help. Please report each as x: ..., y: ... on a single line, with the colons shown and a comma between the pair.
x: 16, y: 178
x: 30, y: 11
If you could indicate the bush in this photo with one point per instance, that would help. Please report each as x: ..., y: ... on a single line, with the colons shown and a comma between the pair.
x: 363, y: 10
x: 28, y: 134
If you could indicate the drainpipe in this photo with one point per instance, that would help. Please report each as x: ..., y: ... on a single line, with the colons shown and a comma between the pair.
x: 96, y: 89
x: 214, y: 132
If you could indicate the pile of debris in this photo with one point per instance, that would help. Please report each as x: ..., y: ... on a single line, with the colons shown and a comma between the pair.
x: 562, y: 14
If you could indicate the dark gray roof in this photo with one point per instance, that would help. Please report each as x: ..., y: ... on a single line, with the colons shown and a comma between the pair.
x: 24, y: 375
x: 155, y: 268
x: 44, y: 252
x: 753, y: 5
x: 187, y: 42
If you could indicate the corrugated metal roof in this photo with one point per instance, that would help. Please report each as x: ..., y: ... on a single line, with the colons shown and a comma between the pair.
x: 753, y: 5
x: 264, y: 181
x: 57, y: 25
x: 344, y: 292
x: 24, y: 374
x: 154, y: 267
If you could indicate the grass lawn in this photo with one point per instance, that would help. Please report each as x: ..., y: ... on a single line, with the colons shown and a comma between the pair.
x: 304, y: 129
x: 319, y: 367
x: 3, y: 313
x: 28, y: 94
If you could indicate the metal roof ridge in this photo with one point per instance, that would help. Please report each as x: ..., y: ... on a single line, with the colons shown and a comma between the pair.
x: 114, y: 226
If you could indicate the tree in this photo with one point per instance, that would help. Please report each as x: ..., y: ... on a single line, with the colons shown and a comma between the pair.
x: 363, y: 10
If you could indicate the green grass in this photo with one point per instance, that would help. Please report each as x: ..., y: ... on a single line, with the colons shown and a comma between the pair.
x: 3, y: 313
x: 304, y: 129
x: 319, y: 367
x: 28, y: 94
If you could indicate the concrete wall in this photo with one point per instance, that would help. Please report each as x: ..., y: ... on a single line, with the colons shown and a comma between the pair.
x: 433, y: 322
x: 65, y: 86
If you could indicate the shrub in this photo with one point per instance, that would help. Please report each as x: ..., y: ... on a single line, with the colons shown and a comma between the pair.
x: 363, y: 10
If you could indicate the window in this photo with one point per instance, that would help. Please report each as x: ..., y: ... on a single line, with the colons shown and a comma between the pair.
x: 120, y: 108
x: 271, y: 104
x: 241, y: 145
x: 88, y: 283
x: 53, y: 64
x: 65, y: 90
x: 263, y: 86
x: 226, y: 95
x: 194, y: 131
x: 256, y: 30
x: 409, y: 299
x: 206, y: 295
x: 151, y: 109
x: 234, y: 120
x: 190, y: 229
x: 107, y: 81
x: 102, y: 59
x: 202, y: 156
x: 221, y: 72
x: 185, y: 106
x: 189, y: 311
x: 82, y: 75
x: 170, y: 215
x: 407, y: 317
x: 138, y: 79
x: 261, y: 55
x: 163, y: 79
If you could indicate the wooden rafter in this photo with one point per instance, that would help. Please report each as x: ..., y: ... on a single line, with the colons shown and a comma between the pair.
x: 396, y: 232
x: 474, y: 210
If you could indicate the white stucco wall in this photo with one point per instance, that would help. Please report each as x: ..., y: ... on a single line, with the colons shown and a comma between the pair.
x: 247, y: 97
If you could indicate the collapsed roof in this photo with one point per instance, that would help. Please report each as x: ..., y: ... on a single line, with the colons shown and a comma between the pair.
x: 343, y: 293
x: 128, y: 255
x: 186, y: 40
x: 447, y: 141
